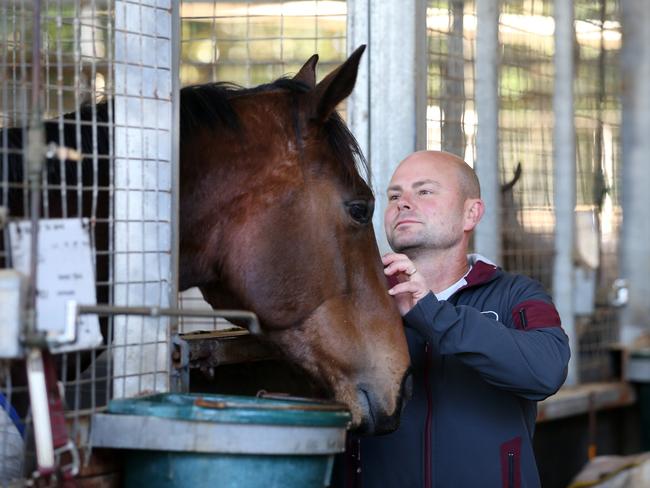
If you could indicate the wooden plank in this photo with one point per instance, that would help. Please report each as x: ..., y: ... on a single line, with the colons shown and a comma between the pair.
x: 209, y: 350
x: 580, y: 399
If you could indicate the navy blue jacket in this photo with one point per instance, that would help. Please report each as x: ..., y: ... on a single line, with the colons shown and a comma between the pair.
x: 481, y: 360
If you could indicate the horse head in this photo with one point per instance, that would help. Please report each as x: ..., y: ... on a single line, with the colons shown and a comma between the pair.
x: 275, y: 218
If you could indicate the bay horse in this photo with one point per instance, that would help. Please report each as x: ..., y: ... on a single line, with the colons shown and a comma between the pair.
x: 275, y: 218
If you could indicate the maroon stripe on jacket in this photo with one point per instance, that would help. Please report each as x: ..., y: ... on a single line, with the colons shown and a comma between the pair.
x: 535, y: 314
x: 511, y: 463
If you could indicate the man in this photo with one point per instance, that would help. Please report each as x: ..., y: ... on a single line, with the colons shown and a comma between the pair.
x: 485, y: 345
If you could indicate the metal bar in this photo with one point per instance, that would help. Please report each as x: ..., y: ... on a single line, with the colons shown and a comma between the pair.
x: 36, y: 59
x: 488, y: 233
x: 35, y: 369
x: 175, y: 155
x: 180, y: 378
x: 358, y: 104
x: 564, y: 150
x: 35, y: 152
x: 250, y: 318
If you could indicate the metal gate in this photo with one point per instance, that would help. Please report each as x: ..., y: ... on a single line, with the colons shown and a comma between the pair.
x: 99, y: 74
x: 104, y: 76
x: 526, y: 89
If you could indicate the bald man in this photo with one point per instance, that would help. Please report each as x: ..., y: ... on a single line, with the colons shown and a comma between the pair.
x: 485, y: 345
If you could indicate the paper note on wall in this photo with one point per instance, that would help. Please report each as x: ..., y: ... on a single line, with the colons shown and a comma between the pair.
x: 65, y: 273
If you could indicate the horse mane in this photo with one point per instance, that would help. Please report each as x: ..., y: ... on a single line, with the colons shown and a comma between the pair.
x: 202, y: 106
x: 208, y: 106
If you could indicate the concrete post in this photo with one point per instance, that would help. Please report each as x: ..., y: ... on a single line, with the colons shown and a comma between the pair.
x: 488, y: 232
x: 565, y: 177
x: 389, y: 119
x: 635, y: 134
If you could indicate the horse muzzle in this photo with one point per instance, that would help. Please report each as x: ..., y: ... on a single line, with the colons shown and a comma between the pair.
x: 375, y: 420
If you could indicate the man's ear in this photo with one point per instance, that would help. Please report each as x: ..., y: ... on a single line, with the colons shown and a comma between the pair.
x: 474, y: 210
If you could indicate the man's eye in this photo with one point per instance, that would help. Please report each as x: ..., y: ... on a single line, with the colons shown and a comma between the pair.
x: 393, y: 197
x: 425, y: 192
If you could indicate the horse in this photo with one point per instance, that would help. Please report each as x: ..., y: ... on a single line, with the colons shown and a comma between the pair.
x: 524, y: 251
x: 276, y: 218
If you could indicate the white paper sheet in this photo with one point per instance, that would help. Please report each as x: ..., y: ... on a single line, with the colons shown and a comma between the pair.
x: 65, y: 273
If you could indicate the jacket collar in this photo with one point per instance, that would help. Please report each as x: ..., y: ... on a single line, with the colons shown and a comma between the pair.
x: 483, y: 270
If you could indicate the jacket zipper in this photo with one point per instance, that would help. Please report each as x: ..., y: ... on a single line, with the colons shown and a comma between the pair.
x: 511, y: 469
x: 522, y: 317
x: 429, y: 418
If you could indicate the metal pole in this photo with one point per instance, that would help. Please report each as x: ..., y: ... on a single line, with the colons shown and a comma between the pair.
x: 43, y: 437
x: 358, y: 105
x: 397, y: 101
x: 488, y: 232
x: 565, y: 178
x: 179, y: 377
x: 252, y: 322
x: 635, y: 259
x: 34, y: 154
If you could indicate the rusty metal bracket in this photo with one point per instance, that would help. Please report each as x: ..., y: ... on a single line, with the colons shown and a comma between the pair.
x: 180, y: 373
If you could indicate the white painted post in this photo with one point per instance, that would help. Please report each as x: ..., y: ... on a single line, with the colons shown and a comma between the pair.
x: 488, y: 232
x: 635, y: 134
x: 142, y: 183
x: 388, y: 108
x: 565, y: 177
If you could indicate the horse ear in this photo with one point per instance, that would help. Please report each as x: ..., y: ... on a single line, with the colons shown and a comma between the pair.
x: 336, y: 86
x: 508, y: 186
x: 307, y: 73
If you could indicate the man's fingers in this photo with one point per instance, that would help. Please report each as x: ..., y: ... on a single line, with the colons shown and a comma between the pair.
x: 398, y: 263
x: 406, y: 267
x: 406, y: 287
x: 392, y: 257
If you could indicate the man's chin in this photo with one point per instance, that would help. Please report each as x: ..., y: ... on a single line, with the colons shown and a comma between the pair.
x: 403, y: 245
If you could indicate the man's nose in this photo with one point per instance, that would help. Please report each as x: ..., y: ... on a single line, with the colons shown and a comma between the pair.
x: 403, y: 203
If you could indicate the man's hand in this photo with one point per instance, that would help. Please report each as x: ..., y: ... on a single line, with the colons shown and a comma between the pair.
x: 411, y: 286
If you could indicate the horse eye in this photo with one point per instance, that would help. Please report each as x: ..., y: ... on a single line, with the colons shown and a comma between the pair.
x: 361, y: 210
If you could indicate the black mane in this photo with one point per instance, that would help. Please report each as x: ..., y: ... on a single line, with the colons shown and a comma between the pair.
x: 208, y: 106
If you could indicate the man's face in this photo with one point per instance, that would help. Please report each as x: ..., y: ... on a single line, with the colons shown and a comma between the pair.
x: 425, y: 205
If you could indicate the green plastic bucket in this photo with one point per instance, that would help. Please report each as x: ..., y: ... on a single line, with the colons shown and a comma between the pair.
x: 223, y: 441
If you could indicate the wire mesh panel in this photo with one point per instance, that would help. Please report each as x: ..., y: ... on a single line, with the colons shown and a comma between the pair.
x: 106, y: 98
x: 598, y: 114
x: 451, y: 117
x: 254, y: 42
x: 526, y: 79
x: 526, y: 137
x: 251, y: 43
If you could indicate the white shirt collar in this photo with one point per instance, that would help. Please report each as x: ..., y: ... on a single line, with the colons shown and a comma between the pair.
x: 474, y: 258
x: 444, y: 294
